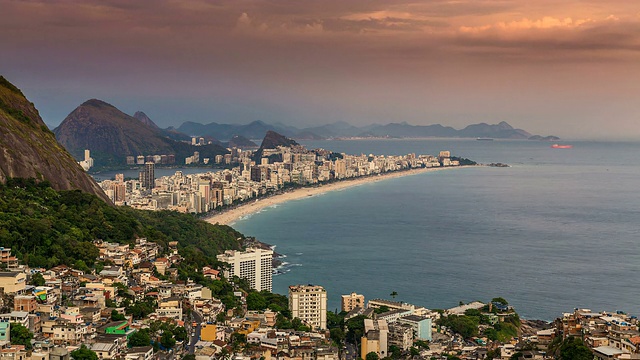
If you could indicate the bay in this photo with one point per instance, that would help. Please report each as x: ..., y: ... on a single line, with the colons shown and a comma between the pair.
x: 555, y: 231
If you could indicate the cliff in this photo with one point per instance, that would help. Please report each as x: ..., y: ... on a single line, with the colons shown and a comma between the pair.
x: 28, y: 149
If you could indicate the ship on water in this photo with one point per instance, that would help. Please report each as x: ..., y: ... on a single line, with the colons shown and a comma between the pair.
x: 484, y: 139
x: 559, y: 146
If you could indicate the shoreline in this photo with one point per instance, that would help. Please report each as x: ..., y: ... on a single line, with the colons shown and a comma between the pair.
x: 229, y: 217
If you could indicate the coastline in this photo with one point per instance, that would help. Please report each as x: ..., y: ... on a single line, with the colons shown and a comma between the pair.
x: 230, y: 216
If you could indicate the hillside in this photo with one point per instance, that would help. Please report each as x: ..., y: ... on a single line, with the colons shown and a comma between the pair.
x: 45, y: 227
x: 29, y: 150
x: 112, y: 135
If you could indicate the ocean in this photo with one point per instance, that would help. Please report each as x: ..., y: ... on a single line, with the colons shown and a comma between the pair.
x: 555, y: 231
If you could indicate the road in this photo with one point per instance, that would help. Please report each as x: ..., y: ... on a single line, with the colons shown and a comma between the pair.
x: 197, y: 318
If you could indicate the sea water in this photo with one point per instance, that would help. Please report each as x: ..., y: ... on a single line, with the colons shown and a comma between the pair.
x: 559, y: 229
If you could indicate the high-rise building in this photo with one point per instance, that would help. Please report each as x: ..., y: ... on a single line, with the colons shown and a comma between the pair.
x: 254, y: 264
x: 375, y: 339
x: 352, y: 301
x: 309, y: 304
x: 148, y: 177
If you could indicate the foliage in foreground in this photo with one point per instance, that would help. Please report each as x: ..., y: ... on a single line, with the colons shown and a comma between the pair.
x: 45, y: 227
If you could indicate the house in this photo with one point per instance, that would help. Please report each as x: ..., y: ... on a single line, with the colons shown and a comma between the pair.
x: 170, y: 308
x: 105, y: 350
x: 12, y: 282
x: 26, y: 303
x: 140, y: 353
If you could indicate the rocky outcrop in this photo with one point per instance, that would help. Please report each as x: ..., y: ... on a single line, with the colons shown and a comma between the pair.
x: 271, y: 141
x: 28, y: 149
x: 145, y: 119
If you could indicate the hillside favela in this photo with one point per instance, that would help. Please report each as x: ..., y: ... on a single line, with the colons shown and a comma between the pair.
x: 335, y: 180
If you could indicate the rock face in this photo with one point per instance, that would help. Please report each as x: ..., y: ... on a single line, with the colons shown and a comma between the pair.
x: 28, y: 149
x: 271, y: 141
x: 145, y: 119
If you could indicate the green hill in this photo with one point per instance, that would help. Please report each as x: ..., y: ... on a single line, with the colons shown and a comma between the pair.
x: 45, y: 227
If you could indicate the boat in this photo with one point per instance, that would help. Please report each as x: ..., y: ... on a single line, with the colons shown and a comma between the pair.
x: 559, y: 146
x: 484, y: 139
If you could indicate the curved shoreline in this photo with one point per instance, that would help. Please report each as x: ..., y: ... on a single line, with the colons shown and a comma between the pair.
x: 230, y: 216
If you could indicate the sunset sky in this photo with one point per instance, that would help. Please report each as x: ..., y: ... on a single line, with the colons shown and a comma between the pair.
x: 564, y: 67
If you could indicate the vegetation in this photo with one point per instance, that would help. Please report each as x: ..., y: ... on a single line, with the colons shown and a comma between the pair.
x: 83, y: 353
x: 45, y: 227
x: 37, y: 280
x: 140, y: 338
x: 464, y: 161
x: 116, y: 316
x: 571, y: 348
x: 465, y: 325
x: 20, y: 335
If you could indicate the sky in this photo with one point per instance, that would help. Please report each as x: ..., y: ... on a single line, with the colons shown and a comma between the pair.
x: 564, y: 67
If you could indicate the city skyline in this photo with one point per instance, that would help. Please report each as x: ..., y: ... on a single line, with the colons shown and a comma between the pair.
x: 568, y: 68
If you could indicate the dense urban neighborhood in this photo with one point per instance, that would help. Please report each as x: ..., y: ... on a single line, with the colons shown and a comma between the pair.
x: 137, y: 307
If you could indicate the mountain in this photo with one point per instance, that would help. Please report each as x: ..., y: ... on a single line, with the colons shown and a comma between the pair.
x: 112, y: 135
x: 28, y: 149
x: 499, y: 131
x: 271, y: 141
x: 145, y: 119
x: 343, y: 129
x: 253, y: 130
x: 242, y: 142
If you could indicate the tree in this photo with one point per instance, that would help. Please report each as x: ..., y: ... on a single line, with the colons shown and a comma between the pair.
x: 414, y: 352
x: 116, y: 316
x: 337, y: 335
x: 167, y: 341
x: 500, y: 300
x: 372, y: 356
x: 140, y: 338
x: 180, y: 333
x: 394, y: 352
x: 84, y: 353
x: 37, y: 279
x: 255, y: 301
x: 573, y: 348
x: 20, y: 335
x: 516, y: 356
x: 355, y: 328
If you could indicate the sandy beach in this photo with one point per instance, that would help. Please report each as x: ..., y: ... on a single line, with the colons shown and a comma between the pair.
x: 228, y: 217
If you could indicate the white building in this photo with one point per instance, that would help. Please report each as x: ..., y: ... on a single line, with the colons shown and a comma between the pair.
x: 254, y: 264
x: 309, y: 304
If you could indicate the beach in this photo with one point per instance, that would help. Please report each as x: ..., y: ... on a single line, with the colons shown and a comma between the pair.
x: 228, y: 217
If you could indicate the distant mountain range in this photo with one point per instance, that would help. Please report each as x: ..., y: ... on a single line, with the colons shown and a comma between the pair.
x: 112, y: 135
x: 257, y: 129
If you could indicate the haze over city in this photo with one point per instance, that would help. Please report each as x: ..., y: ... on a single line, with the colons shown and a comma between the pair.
x: 568, y: 68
